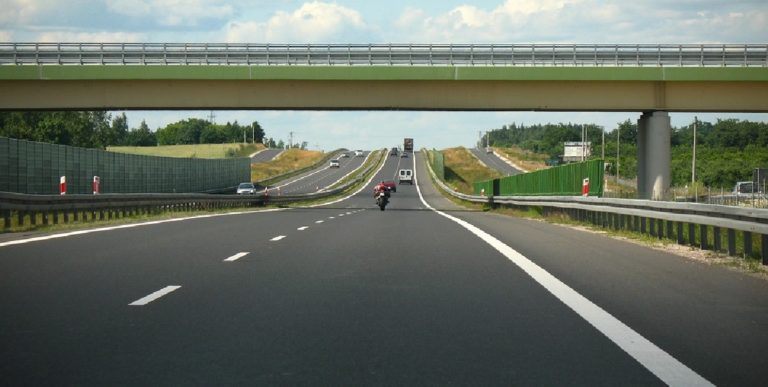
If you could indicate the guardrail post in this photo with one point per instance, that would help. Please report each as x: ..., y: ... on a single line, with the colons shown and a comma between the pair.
x: 680, y: 238
x: 670, y: 226
x: 691, y: 234
x: 20, y: 216
x: 652, y: 227
x: 703, y: 234
x: 642, y: 225
x: 764, y: 248
x: 660, y: 228
x: 747, y: 243
x: 717, y: 240
x: 731, y: 242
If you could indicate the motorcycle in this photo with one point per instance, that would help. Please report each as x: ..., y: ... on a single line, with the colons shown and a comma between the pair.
x: 382, y: 199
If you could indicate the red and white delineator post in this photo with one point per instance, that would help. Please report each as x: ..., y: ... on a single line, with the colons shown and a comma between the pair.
x: 96, y: 185
x: 63, y: 185
x: 585, y: 187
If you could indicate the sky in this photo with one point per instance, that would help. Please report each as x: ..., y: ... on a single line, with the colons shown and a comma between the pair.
x: 393, y: 21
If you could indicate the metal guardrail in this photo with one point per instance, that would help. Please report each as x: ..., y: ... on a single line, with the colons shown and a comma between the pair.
x: 657, y: 218
x: 633, y: 55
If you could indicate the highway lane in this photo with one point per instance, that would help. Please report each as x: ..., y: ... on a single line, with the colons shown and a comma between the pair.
x: 494, y: 162
x: 265, y: 155
x: 318, y: 178
x: 353, y: 295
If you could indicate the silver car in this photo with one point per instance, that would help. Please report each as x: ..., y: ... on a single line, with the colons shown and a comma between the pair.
x: 246, y: 189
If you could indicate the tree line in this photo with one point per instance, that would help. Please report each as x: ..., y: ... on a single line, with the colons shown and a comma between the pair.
x: 727, y: 151
x: 100, y: 129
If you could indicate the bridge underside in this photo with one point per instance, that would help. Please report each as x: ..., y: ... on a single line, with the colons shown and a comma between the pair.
x: 543, y: 95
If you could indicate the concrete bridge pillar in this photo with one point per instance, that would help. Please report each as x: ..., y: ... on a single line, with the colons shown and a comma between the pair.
x: 654, y: 155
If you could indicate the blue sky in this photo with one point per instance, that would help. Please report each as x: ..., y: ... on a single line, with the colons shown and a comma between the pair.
x: 394, y: 21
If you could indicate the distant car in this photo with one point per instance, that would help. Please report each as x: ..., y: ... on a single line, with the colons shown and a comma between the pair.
x: 405, y: 176
x: 393, y: 152
x: 344, y: 155
x: 391, y: 185
x: 358, y: 153
x: 334, y: 163
x: 404, y: 154
x: 488, y: 150
x: 246, y: 189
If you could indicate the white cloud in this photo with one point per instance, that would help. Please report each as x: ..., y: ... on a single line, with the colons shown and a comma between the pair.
x: 98, y: 37
x: 22, y: 11
x: 312, y: 22
x: 588, y: 21
x: 172, y: 12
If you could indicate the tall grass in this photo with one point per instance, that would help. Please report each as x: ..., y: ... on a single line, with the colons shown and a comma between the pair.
x: 291, y: 159
x: 462, y: 169
x: 202, y: 151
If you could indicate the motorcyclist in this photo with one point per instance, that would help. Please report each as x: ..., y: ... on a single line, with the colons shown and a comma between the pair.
x: 380, y: 188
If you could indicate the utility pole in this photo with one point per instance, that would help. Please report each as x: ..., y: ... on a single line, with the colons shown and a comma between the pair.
x: 487, y: 139
x: 693, y: 161
x: 212, y: 118
x: 253, y: 134
x: 290, y: 140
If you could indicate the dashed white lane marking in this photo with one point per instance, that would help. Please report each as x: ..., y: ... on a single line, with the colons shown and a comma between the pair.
x: 154, y: 296
x: 331, y: 217
x: 236, y: 257
x: 277, y: 238
x: 340, y: 215
x: 660, y: 363
x: 302, y: 228
x: 349, y: 213
x: 319, y: 221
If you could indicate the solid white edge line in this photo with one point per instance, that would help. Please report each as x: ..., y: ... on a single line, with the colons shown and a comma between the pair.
x: 277, y: 238
x: 656, y: 360
x: 154, y: 296
x: 130, y: 225
x: 236, y: 257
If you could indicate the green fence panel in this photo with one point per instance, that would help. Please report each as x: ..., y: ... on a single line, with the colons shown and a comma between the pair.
x: 566, y: 180
x: 35, y: 168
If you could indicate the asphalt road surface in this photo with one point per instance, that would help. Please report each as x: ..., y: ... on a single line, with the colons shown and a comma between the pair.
x: 494, y: 162
x: 265, y: 155
x: 423, y: 293
x: 319, y: 178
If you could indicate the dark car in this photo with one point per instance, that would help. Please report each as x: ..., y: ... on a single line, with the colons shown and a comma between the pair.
x: 393, y: 152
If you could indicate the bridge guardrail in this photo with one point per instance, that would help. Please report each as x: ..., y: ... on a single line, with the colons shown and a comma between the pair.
x: 669, y: 220
x: 636, y: 55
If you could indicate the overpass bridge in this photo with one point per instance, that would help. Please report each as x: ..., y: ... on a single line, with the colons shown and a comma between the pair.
x: 649, y: 79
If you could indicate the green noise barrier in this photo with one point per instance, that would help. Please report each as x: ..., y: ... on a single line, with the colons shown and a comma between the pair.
x: 35, y: 168
x: 438, y: 163
x: 566, y: 180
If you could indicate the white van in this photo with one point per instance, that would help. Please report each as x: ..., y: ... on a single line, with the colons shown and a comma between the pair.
x: 405, y: 176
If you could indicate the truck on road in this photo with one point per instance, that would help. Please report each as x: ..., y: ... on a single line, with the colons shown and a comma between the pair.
x: 408, y: 145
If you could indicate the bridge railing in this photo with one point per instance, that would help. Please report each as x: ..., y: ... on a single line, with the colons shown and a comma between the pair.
x: 609, y: 55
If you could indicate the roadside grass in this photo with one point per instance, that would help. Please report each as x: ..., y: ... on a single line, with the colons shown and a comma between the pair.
x: 529, y: 160
x: 290, y: 160
x: 462, y: 169
x: 200, y: 151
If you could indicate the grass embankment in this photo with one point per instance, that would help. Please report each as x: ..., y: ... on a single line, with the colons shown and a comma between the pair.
x: 201, y: 151
x: 290, y: 160
x: 526, y: 159
x: 462, y: 169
